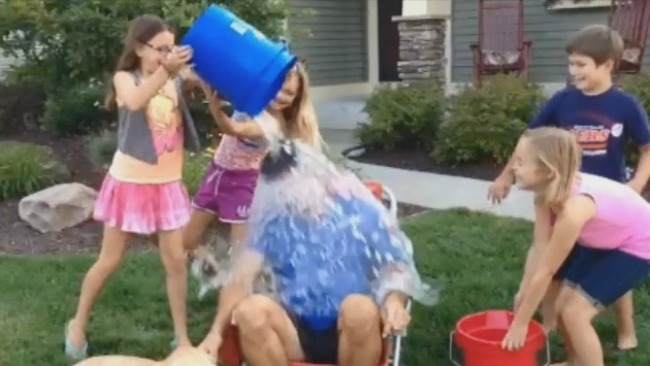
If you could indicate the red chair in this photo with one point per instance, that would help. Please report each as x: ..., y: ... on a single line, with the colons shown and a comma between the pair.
x: 501, y: 47
x: 630, y: 18
x: 230, y: 351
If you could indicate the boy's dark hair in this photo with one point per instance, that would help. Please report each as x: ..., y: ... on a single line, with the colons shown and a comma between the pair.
x: 598, y: 42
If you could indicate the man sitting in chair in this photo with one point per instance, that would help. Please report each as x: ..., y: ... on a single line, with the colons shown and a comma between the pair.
x: 341, y: 267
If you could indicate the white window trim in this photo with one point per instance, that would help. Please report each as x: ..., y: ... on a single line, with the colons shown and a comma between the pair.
x: 571, y: 4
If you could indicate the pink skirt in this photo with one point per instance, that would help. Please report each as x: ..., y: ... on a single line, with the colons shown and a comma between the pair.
x: 142, y: 208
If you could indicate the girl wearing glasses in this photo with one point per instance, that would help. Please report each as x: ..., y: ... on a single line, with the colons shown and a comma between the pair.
x: 143, y: 191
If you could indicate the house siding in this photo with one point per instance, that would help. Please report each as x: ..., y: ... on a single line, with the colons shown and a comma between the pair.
x: 548, y: 30
x: 336, y: 49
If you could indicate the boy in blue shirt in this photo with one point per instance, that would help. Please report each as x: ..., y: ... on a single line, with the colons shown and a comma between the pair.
x: 603, y: 118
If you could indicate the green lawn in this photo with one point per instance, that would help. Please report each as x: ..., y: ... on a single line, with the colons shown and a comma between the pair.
x: 478, y: 257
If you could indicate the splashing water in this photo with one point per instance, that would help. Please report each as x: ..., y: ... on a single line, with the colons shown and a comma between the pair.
x: 324, y: 236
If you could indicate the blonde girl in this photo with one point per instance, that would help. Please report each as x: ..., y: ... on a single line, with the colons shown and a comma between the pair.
x: 226, y: 191
x: 591, y: 242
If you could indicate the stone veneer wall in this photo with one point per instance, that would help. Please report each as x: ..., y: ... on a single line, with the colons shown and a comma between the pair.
x: 422, y: 48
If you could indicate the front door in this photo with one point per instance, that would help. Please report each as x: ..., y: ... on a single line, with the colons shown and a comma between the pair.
x: 388, y: 39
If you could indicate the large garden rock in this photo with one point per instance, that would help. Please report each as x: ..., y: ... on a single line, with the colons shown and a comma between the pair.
x: 58, y: 207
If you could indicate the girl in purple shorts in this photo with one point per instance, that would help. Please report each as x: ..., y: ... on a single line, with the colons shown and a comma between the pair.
x: 226, y: 191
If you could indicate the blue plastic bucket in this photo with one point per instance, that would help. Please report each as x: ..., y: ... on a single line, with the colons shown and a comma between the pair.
x: 233, y: 57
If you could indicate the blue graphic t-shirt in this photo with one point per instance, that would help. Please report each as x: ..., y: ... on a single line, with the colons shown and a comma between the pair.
x: 318, y: 262
x: 601, y: 123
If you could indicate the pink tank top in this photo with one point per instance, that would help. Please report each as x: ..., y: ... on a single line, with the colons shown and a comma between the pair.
x: 621, y: 220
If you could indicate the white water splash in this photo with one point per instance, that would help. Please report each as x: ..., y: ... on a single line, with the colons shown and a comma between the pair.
x: 324, y: 236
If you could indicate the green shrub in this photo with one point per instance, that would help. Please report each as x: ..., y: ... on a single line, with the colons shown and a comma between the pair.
x: 65, y: 43
x: 26, y: 168
x: 193, y: 170
x: 403, y: 116
x: 76, y: 111
x: 102, y: 147
x: 21, y: 104
x: 206, y: 127
x: 485, y: 122
x: 639, y: 86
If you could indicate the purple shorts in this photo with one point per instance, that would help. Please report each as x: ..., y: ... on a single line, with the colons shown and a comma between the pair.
x: 226, y: 193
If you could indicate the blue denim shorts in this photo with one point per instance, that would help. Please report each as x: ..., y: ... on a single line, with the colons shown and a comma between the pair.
x: 603, y: 276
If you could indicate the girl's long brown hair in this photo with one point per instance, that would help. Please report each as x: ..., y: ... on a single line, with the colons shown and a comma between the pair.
x: 302, y: 122
x: 141, y: 30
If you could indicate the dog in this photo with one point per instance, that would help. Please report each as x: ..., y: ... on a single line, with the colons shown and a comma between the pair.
x: 182, y: 356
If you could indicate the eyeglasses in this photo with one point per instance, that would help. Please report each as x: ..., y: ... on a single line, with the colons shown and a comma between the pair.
x: 161, y: 49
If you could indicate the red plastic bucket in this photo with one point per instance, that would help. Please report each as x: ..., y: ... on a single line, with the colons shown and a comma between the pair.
x: 479, y: 337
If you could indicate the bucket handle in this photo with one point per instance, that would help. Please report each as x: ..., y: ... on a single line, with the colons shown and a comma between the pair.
x: 452, y: 358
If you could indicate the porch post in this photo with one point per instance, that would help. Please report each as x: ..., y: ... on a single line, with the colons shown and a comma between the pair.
x: 422, y: 49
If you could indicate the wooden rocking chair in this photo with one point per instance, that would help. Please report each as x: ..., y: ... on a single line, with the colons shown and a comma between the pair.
x: 501, y: 47
x: 630, y: 18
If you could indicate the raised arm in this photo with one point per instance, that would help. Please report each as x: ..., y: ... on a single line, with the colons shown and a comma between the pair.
x: 191, y: 80
x: 242, y: 129
x: 135, y: 97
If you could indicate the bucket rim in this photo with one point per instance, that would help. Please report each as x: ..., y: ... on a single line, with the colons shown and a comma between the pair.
x: 530, y: 336
x: 294, y: 60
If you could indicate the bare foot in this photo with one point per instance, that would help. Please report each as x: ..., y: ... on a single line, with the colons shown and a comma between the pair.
x: 627, y: 343
x: 76, y: 335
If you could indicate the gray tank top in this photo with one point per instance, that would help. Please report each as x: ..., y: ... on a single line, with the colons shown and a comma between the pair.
x: 134, y: 137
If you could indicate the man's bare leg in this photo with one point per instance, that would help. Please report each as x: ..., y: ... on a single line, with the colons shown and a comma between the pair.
x: 267, y: 335
x: 360, y: 342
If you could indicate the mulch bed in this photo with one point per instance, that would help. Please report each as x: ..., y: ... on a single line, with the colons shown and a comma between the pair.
x: 17, y: 237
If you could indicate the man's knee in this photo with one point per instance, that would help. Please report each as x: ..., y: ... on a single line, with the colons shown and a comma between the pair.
x: 251, y: 313
x: 359, y: 314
